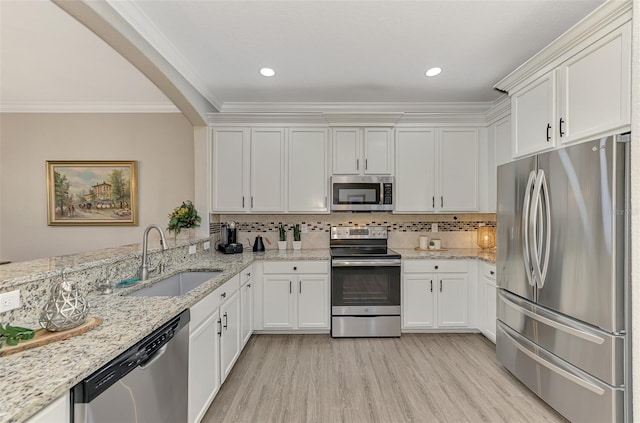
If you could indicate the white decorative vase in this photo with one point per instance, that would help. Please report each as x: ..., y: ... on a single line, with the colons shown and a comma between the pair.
x: 282, y: 245
x: 297, y: 245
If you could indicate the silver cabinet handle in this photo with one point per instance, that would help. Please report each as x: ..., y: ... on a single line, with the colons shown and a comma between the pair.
x: 290, y: 287
x: 431, y: 281
x: 366, y: 164
x: 325, y: 201
x: 252, y: 201
x: 223, y: 295
x: 441, y: 201
x: 225, y: 321
x: 300, y: 284
x: 433, y: 202
x: 243, y: 202
x: 357, y: 164
x: 441, y: 286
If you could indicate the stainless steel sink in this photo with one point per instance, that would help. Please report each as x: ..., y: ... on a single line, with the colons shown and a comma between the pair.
x: 178, y: 284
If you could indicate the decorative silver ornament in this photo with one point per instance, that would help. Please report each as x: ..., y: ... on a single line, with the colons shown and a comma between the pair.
x: 66, y: 308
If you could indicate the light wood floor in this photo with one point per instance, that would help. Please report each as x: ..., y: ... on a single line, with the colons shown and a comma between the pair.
x: 415, y: 378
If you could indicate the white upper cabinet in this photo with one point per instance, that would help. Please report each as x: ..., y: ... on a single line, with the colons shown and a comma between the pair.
x: 415, y: 170
x: 458, y: 169
x: 248, y: 170
x: 308, y: 170
x: 576, y: 89
x: 267, y: 170
x: 533, y: 109
x: 229, y: 169
x: 596, y: 88
x: 362, y: 151
x: 424, y: 184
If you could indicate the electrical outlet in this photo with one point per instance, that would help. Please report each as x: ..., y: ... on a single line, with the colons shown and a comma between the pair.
x: 9, y: 300
x: 304, y: 228
x: 192, y: 249
x: 434, y: 227
x: 207, y: 245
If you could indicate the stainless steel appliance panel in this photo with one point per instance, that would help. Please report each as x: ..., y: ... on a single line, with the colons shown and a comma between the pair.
x: 597, y: 352
x: 363, y: 326
x: 514, y: 187
x: 365, y: 310
x: 154, y: 392
x: 361, y: 193
x: 584, y: 278
x: 570, y: 391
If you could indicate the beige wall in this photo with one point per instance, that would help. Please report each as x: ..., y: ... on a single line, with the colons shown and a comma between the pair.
x: 161, y: 143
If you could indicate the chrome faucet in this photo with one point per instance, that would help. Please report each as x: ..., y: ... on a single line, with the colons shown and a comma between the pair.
x: 144, y: 274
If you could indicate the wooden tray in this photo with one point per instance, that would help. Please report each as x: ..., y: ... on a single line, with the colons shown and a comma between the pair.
x: 431, y: 249
x: 44, y: 337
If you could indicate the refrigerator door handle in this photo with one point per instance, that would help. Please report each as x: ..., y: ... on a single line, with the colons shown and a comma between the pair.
x: 525, y: 227
x: 540, y: 234
x: 559, y: 368
x: 539, y: 315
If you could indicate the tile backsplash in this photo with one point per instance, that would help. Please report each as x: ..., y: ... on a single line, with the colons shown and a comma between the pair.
x: 454, y: 230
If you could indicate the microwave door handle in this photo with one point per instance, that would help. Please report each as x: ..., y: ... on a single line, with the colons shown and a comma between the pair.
x: 525, y: 227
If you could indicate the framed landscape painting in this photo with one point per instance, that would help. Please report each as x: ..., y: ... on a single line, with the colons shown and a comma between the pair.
x: 92, y: 193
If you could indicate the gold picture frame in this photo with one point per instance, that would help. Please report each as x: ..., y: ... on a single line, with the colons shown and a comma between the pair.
x: 92, y: 192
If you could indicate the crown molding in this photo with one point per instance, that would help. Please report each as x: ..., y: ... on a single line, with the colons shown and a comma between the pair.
x: 77, y: 107
x: 354, y: 107
x: 249, y: 119
x: 501, y: 108
x: 598, y: 23
x: 136, y: 17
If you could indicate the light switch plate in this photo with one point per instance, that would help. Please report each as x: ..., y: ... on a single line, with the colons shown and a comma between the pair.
x: 206, y: 245
x: 9, y: 300
x: 304, y: 228
x: 434, y: 227
x: 192, y: 249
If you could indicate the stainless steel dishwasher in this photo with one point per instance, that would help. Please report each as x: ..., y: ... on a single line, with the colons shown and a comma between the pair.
x: 146, y: 383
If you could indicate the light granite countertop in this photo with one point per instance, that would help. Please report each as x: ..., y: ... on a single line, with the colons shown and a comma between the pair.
x: 32, y: 379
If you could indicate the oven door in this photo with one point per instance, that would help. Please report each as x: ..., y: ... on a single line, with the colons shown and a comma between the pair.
x: 365, y: 287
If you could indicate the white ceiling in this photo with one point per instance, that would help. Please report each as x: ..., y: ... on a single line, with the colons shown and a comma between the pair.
x: 323, y: 51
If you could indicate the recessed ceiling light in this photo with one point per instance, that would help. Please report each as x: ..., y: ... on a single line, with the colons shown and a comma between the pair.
x: 267, y: 72
x: 433, y: 72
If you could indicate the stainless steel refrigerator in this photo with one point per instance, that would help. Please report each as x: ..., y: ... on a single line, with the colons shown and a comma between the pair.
x: 563, y: 308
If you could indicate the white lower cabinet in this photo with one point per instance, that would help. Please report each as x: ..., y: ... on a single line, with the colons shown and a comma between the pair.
x: 435, y: 294
x: 246, y: 305
x: 295, y: 295
x: 214, y: 345
x: 56, y: 412
x: 487, y: 276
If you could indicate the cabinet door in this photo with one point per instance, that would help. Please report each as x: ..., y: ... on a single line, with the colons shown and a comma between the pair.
x: 229, y: 169
x: 378, y: 151
x: 415, y: 170
x: 452, y: 300
x: 458, y: 175
x: 277, y: 304
x: 204, y: 366
x: 267, y: 170
x: 596, y: 88
x: 230, y: 338
x: 346, y: 151
x: 532, y: 117
x: 308, y: 179
x: 246, y: 308
x: 418, y: 302
x: 490, y: 312
x: 313, y: 301
x: 56, y: 412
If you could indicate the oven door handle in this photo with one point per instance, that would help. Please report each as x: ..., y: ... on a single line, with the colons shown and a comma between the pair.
x: 366, y: 263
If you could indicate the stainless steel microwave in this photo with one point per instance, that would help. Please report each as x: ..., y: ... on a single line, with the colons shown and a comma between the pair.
x: 361, y: 193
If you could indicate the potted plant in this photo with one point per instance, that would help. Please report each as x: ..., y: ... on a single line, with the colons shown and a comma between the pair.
x: 184, y: 217
x: 297, y: 242
x: 282, y: 242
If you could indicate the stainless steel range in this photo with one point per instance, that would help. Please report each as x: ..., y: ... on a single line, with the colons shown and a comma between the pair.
x: 365, y: 283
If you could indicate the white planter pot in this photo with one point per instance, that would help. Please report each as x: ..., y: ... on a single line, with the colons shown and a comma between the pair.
x: 297, y: 245
x: 282, y: 245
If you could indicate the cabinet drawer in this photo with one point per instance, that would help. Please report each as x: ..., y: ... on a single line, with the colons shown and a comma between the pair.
x: 280, y: 267
x: 245, y: 275
x: 435, y: 266
x: 209, y: 304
